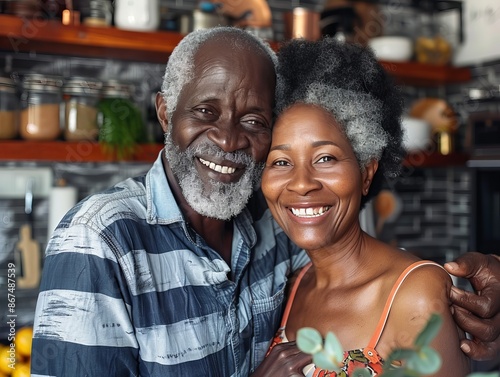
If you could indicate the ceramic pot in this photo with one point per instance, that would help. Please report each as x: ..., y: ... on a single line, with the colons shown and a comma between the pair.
x: 139, y: 15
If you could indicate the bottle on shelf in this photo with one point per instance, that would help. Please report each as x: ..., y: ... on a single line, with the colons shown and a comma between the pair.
x: 81, y: 96
x: 9, y: 109
x: 40, y: 107
x: 121, y: 124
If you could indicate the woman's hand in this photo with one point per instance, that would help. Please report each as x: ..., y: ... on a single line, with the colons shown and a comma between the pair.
x: 478, y: 313
x: 285, y: 359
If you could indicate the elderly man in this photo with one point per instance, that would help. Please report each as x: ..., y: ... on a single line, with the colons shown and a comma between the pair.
x: 181, y: 271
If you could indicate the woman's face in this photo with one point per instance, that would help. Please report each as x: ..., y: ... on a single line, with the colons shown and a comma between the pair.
x: 312, y: 180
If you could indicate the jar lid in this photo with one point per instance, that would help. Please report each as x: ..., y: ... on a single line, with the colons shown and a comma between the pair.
x: 82, y: 85
x: 117, y: 89
x: 42, y: 83
x: 7, y: 84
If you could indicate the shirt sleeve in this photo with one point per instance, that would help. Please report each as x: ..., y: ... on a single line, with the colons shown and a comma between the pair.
x: 82, y: 321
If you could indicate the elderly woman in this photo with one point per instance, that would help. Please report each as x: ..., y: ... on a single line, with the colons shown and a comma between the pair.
x: 336, y: 138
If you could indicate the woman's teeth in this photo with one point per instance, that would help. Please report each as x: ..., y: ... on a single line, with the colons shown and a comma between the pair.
x: 218, y: 168
x: 310, y: 212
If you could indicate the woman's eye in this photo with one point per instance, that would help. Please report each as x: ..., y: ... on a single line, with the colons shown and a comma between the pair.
x: 281, y: 163
x: 326, y: 159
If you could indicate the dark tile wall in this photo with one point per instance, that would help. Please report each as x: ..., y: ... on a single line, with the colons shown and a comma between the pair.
x: 435, y: 220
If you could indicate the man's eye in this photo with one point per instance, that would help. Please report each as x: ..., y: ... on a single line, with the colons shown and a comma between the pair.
x: 255, y: 123
x: 204, y: 110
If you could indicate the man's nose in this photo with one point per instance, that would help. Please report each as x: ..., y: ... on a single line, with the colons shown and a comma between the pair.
x: 229, y: 136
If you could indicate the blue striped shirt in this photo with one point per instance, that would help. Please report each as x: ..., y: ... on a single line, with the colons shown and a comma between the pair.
x: 129, y: 290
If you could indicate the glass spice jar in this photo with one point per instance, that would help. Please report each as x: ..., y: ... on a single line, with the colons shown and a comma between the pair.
x: 9, y: 109
x: 121, y: 125
x: 81, y: 96
x: 40, y: 107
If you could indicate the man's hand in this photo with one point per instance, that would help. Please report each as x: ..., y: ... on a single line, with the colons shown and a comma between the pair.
x: 478, y: 313
x: 285, y: 359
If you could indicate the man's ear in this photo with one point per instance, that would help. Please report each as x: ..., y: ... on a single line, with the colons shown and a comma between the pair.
x: 161, y: 111
x: 370, y: 170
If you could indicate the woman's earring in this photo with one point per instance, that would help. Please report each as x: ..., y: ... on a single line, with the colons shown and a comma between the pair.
x: 367, y: 188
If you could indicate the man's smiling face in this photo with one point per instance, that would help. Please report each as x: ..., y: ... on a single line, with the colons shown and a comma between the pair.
x: 221, y: 129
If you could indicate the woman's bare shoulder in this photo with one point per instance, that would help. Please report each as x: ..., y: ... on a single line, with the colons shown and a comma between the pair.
x: 425, y: 290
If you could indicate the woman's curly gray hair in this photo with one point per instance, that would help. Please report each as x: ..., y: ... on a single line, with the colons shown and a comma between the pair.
x: 180, y: 67
x: 347, y: 81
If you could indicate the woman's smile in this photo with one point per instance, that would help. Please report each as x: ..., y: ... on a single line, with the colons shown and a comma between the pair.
x: 309, y: 212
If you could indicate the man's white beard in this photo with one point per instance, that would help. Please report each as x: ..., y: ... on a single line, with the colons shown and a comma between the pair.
x: 219, y: 200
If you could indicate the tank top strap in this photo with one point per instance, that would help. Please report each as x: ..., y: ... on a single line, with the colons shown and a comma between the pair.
x: 390, y: 300
x: 292, y: 294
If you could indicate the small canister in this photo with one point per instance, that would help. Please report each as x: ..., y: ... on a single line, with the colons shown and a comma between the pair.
x: 9, y: 109
x: 40, y: 107
x: 81, y: 96
x: 117, y: 89
x: 120, y: 120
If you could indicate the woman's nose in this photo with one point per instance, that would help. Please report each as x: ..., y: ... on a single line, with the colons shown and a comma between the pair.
x: 303, y: 180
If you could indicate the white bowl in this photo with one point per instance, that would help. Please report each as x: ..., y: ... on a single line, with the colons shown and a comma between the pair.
x: 392, y: 48
x: 417, y: 134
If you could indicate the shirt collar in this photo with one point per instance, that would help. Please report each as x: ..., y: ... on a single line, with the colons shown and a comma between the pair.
x: 161, y: 205
x: 163, y: 209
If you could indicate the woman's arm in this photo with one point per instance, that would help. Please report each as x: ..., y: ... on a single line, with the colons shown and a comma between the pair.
x: 424, y: 292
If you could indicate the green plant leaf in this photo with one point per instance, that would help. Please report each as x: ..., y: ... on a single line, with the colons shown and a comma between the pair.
x: 333, y: 347
x: 398, y: 372
x: 121, y: 126
x: 399, y: 354
x: 309, y: 340
x: 429, y: 332
x: 425, y: 361
x: 361, y: 372
x: 323, y: 361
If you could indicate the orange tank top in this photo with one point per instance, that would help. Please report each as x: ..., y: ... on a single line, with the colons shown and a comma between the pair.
x: 366, y: 357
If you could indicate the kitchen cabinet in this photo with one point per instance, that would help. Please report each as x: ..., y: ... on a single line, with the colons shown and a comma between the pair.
x: 51, y: 37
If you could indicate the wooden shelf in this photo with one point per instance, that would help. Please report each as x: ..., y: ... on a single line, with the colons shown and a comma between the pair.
x: 35, y: 36
x: 51, y: 37
x: 435, y: 160
x: 90, y: 151
x: 425, y: 75
x: 71, y: 152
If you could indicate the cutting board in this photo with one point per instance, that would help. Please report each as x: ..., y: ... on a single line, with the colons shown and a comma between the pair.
x: 30, y: 258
